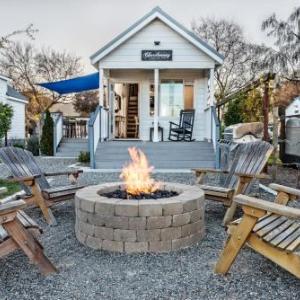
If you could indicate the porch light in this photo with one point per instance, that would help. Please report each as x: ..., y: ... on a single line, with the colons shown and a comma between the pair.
x: 156, y: 43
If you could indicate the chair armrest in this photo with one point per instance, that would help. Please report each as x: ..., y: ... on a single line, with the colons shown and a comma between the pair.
x: 28, y: 180
x: 285, y: 189
x: 172, y: 123
x: 75, y: 172
x: 208, y: 170
x: 253, y: 176
x: 267, y: 206
x: 12, y: 206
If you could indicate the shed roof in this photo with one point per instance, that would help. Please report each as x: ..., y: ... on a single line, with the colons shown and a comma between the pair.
x: 11, y: 92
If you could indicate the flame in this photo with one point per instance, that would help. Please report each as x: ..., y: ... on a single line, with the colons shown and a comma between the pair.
x: 136, y: 174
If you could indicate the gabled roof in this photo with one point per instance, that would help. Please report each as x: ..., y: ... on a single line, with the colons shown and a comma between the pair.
x: 157, y: 13
x: 11, y: 92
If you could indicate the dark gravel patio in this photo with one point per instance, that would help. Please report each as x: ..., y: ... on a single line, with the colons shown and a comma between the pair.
x: 185, y: 274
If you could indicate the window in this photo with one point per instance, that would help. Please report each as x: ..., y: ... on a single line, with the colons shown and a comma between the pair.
x: 174, y: 96
x: 171, y: 98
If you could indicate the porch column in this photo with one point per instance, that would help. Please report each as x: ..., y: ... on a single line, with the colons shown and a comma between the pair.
x: 101, y: 86
x: 212, y: 87
x: 156, y: 101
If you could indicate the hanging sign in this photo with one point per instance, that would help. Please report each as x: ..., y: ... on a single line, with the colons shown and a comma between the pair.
x: 157, y: 55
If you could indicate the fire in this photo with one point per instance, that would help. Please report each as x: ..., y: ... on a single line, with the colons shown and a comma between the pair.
x: 136, y: 174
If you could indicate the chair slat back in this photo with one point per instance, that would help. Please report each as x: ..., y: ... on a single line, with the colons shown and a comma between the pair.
x: 186, y: 117
x: 21, y: 163
x: 250, y: 158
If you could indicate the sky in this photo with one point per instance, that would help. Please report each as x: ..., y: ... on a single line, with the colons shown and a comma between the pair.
x: 83, y: 26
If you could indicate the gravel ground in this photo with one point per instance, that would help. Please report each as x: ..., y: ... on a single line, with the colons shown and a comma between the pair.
x: 186, y: 274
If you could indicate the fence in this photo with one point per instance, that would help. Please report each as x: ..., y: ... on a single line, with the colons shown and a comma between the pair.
x: 98, y: 131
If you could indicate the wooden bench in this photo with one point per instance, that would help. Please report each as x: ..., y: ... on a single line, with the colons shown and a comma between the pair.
x: 19, y: 231
x: 247, y: 165
x: 26, y: 171
x: 271, y: 229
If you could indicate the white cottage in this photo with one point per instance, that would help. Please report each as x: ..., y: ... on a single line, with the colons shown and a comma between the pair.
x: 17, y: 101
x: 150, y: 72
x: 146, y: 76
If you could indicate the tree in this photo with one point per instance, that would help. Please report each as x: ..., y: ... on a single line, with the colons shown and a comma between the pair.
x: 6, y: 40
x: 284, y: 57
x: 244, y: 107
x: 239, y: 55
x: 47, y: 135
x: 86, y: 102
x: 6, y: 114
x: 27, y: 66
x: 234, y: 109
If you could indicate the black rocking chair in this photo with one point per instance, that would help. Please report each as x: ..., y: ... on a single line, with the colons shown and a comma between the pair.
x: 184, y: 130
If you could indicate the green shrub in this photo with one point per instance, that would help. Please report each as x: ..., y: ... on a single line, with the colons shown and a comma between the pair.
x: 84, y: 157
x: 19, y: 145
x: 33, y: 145
x: 6, y: 114
x: 274, y: 160
x: 47, y: 136
x: 12, y: 188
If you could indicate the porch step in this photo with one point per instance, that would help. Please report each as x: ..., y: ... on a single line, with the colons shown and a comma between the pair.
x: 71, y: 147
x: 163, y: 155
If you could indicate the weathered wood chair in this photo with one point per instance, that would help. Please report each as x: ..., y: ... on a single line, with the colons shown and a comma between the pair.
x: 26, y: 171
x: 248, y: 163
x: 19, y: 231
x: 271, y: 229
x: 183, y: 131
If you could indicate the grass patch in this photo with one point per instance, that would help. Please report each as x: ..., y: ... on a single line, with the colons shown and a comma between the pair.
x: 12, y: 188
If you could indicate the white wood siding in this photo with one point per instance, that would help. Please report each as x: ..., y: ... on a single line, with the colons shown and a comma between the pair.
x: 185, y: 55
x: 18, y: 121
x: 145, y: 77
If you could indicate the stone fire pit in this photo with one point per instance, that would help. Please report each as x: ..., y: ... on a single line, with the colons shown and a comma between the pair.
x: 161, y: 225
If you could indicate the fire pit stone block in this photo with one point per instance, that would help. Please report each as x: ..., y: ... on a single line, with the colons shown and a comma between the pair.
x: 161, y: 225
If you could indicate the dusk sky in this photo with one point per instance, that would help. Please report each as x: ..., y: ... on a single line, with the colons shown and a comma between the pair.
x: 83, y: 26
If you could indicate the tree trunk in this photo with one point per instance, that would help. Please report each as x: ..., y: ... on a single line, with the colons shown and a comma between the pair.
x: 266, y: 106
x: 275, y: 142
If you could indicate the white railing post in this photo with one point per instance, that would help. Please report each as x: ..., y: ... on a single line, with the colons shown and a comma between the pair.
x: 57, y: 131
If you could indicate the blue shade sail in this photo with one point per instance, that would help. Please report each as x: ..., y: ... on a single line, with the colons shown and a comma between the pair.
x: 74, y: 85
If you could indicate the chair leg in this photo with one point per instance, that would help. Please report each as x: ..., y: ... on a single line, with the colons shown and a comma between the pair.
x: 229, y: 214
x: 234, y: 244
x: 240, y: 187
x: 30, y: 246
x: 40, y: 202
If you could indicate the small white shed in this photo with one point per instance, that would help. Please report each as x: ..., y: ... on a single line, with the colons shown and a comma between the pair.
x: 17, y: 101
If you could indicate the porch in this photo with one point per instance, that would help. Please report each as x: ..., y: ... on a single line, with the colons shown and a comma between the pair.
x: 112, y: 155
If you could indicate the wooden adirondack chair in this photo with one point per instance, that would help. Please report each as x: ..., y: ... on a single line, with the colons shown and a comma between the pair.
x: 26, y: 171
x: 184, y: 130
x: 247, y: 165
x: 19, y: 231
x: 271, y: 229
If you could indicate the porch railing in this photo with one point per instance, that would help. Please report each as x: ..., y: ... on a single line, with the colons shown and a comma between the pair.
x: 98, y: 131
x: 212, y: 130
x: 215, y: 134
x: 57, y: 130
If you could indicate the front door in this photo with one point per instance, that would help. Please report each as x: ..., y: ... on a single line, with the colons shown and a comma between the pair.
x: 126, y: 118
